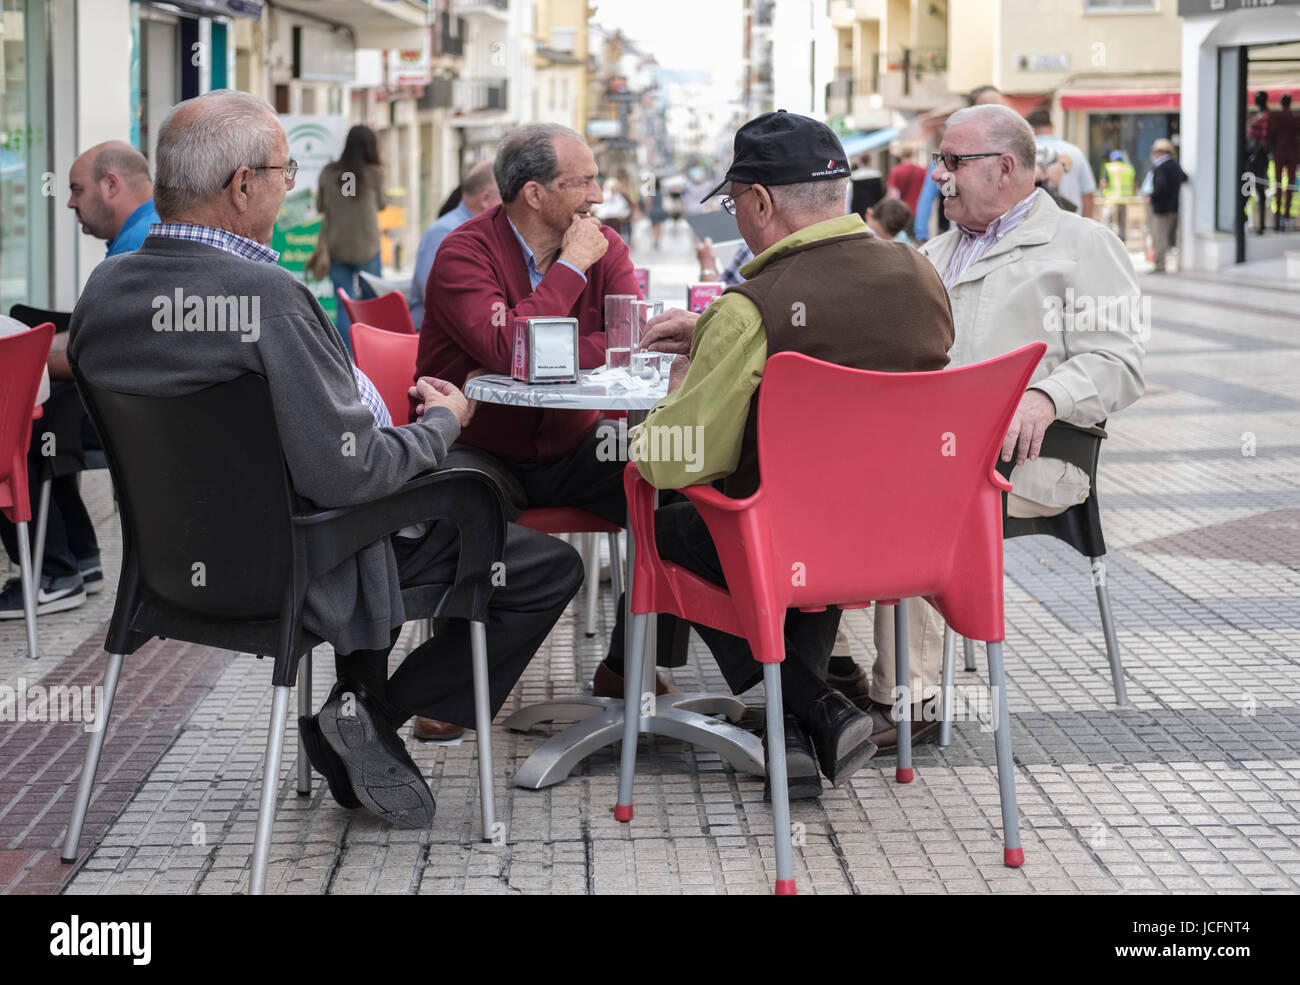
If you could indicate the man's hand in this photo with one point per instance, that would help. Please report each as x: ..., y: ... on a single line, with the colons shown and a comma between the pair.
x: 708, y: 260
x: 1025, y: 436
x: 670, y: 332
x: 677, y: 374
x: 583, y: 242
x: 433, y: 392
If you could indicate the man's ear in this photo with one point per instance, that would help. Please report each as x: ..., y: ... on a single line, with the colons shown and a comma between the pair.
x: 532, y: 194
x: 111, y: 184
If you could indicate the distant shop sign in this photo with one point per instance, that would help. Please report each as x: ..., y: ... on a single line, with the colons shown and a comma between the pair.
x: 1056, y: 61
x: 1193, y: 7
x: 322, y: 56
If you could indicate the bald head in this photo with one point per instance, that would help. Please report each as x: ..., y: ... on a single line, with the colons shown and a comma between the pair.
x: 479, y: 189
x: 105, y: 185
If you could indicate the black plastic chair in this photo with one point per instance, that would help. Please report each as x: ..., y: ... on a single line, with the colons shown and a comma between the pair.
x: 218, y: 550
x: 1079, y: 526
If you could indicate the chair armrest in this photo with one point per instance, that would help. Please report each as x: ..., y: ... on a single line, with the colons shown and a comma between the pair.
x: 466, y: 497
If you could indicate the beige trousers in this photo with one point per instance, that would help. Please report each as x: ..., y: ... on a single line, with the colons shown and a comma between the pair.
x: 925, y: 631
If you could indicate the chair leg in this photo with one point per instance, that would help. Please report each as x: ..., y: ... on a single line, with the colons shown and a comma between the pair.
x: 42, y: 519
x: 903, y: 685
x: 968, y: 653
x: 1012, y: 854
x: 86, y: 781
x: 776, y: 771
x: 1108, y: 628
x: 947, y: 698
x: 615, y: 568
x: 31, y: 582
x: 304, y: 711
x: 633, y: 670
x: 591, y: 562
x: 483, y: 728
x: 270, y: 783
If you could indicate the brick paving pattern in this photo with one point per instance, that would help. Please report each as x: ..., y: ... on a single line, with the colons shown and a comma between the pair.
x: 1194, y: 787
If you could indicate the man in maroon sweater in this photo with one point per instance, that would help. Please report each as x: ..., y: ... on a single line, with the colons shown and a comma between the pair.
x: 541, y: 252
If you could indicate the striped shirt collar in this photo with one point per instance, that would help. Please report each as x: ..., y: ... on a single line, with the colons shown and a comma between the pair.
x: 972, y: 245
x: 222, y: 239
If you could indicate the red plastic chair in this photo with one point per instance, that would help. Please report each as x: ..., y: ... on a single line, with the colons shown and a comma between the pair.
x: 22, y: 357
x: 831, y: 525
x: 389, y: 312
x: 388, y: 358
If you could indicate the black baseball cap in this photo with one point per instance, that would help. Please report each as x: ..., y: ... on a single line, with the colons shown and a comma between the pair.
x: 784, y: 149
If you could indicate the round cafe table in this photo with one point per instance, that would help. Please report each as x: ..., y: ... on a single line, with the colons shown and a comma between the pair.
x: 685, y: 716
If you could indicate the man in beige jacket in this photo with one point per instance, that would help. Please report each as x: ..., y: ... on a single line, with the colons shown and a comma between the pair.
x: 1018, y: 270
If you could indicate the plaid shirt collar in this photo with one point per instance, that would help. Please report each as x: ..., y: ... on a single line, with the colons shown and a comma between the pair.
x: 222, y: 239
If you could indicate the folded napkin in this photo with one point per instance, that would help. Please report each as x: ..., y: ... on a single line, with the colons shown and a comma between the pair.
x: 619, y: 377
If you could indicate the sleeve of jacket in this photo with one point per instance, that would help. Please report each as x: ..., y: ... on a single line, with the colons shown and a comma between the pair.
x: 620, y: 278
x: 728, y: 353
x: 472, y: 307
x: 335, y: 453
x: 1105, y: 343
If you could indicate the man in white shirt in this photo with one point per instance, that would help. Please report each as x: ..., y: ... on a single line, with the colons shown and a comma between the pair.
x: 1079, y: 183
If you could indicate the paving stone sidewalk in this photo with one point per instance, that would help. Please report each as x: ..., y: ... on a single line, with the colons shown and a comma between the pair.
x: 1194, y: 787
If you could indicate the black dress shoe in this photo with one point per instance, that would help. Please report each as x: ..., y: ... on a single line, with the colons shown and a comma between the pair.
x: 841, y: 734
x: 802, y: 779
x: 326, y: 762
x: 380, y: 771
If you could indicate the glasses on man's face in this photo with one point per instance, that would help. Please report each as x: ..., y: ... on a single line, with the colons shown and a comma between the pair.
x: 729, y: 203
x: 952, y: 162
x: 290, y: 171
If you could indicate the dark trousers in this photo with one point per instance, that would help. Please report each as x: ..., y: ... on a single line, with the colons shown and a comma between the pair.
x: 578, y: 479
x: 683, y: 538
x: 541, y: 576
x: 69, y: 534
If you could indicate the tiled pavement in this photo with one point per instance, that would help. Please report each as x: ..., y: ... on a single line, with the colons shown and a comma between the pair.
x: 1193, y: 787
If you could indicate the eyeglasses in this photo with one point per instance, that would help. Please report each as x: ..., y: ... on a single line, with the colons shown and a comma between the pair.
x: 729, y: 203
x: 952, y: 161
x: 290, y: 171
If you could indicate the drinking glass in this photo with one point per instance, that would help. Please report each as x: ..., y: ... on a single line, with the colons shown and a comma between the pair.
x: 642, y: 312
x: 618, y: 330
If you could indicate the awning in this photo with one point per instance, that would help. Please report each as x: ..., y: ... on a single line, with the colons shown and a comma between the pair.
x: 221, y: 8
x: 860, y: 143
x: 1148, y: 99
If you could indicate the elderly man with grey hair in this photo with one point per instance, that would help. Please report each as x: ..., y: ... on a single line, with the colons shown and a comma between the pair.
x: 1019, y: 269
x: 863, y: 302
x: 223, y: 169
x: 540, y: 252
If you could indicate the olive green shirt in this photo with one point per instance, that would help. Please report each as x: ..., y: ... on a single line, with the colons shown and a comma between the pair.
x: 728, y: 353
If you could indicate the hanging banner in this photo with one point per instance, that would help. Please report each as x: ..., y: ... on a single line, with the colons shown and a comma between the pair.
x: 314, y: 141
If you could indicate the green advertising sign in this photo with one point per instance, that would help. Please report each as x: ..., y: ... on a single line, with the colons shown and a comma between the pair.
x: 314, y: 141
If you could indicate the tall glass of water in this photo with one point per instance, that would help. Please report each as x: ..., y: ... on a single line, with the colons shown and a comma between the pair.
x: 618, y: 330
x: 642, y: 312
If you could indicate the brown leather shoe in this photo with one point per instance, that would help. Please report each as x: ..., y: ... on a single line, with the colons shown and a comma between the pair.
x: 885, y: 733
x: 607, y: 684
x: 853, y: 686
x: 432, y: 730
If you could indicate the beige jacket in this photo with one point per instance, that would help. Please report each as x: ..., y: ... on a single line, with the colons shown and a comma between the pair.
x: 1068, y: 281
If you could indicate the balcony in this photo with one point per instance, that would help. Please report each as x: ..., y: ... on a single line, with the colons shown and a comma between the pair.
x: 449, y: 37
x: 839, y: 95
x: 496, y: 9
x: 479, y: 95
x: 917, y: 80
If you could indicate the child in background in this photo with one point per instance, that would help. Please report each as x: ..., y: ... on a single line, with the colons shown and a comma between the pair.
x: 890, y: 218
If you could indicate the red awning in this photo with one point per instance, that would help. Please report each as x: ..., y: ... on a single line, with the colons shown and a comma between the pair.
x: 1151, y: 99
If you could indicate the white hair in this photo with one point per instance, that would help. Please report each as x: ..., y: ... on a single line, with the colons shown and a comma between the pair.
x: 811, y: 197
x: 1007, y: 131
x: 231, y: 130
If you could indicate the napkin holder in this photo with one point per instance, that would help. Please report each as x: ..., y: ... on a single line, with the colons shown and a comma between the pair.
x: 546, y: 350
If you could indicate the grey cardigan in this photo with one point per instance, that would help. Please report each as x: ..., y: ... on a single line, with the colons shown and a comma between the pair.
x: 119, y: 341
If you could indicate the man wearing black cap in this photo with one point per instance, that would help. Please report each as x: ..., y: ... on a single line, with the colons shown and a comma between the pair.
x: 862, y: 302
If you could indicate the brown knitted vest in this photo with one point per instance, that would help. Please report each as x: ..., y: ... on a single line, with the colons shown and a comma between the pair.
x: 854, y: 300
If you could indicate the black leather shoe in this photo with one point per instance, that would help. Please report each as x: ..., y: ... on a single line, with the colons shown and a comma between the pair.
x: 802, y: 779
x: 380, y: 771
x: 326, y: 762
x: 841, y: 734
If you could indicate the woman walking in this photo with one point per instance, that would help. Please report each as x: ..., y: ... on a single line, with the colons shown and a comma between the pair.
x: 350, y: 195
